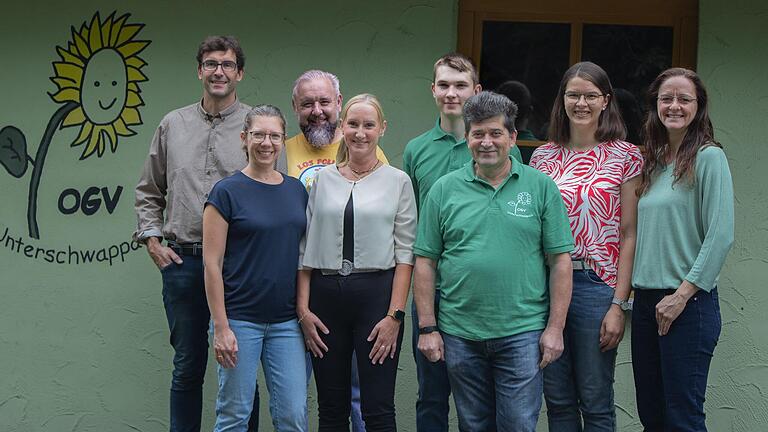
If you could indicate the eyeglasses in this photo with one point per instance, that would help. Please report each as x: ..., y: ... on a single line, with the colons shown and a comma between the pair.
x: 226, y: 65
x: 259, y: 137
x: 681, y: 99
x: 574, y: 97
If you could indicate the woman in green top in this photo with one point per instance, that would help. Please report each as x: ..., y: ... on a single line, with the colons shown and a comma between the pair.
x: 684, y: 232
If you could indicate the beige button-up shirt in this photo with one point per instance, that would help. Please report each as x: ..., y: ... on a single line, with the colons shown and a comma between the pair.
x: 190, y: 151
x: 385, y: 219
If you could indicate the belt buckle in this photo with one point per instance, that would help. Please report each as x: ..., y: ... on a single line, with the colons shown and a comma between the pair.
x: 346, y: 268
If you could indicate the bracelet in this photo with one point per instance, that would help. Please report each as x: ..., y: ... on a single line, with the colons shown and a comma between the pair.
x: 302, y: 318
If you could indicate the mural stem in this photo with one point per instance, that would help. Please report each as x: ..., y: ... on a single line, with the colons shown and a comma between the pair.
x: 37, y: 172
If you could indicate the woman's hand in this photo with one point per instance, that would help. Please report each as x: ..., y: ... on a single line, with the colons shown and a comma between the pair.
x: 310, y: 324
x: 671, y: 306
x: 384, y: 337
x: 225, y: 347
x: 612, y: 329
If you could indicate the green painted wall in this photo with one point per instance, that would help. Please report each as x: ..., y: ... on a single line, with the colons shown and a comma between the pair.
x: 83, y: 346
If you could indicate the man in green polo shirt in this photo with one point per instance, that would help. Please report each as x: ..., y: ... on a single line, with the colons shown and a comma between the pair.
x: 493, y: 225
x: 428, y: 157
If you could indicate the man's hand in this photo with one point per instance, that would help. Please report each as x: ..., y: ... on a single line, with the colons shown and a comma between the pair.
x: 551, y: 346
x: 431, y: 346
x: 163, y: 256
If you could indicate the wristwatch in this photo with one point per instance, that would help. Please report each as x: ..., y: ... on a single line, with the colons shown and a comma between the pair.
x: 397, y: 315
x: 428, y: 330
x: 623, y: 304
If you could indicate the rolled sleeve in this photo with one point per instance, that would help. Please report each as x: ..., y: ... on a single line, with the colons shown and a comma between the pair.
x: 151, y: 189
x: 405, y: 223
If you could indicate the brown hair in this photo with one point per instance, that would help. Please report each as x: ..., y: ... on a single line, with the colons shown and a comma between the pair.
x: 342, y: 155
x: 221, y: 43
x: 610, y: 125
x: 656, y: 138
x: 456, y: 61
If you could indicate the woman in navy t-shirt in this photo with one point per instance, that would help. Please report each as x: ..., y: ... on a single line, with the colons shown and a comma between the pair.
x: 253, y: 223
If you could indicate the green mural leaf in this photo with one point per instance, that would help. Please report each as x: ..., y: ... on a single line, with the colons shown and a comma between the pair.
x: 13, y: 151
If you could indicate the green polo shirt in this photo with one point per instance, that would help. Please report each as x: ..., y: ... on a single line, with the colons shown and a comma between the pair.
x: 490, y: 245
x: 434, y: 154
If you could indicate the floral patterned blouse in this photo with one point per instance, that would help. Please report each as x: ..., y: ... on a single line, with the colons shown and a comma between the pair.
x: 590, y: 183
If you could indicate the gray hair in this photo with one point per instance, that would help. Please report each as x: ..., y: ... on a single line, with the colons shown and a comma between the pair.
x: 264, y: 110
x: 316, y: 74
x: 486, y: 105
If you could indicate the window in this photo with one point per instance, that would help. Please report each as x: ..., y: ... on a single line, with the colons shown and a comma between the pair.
x: 535, y: 42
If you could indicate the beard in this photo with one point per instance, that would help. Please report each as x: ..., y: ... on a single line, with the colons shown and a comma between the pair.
x: 319, y: 136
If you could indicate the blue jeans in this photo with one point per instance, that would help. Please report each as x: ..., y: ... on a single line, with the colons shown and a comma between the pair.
x: 671, y: 371
x: 186, y: 310
x: 432, y: 405
x: 280, y: 348
x: 496, y: 383
x: 579, y: 385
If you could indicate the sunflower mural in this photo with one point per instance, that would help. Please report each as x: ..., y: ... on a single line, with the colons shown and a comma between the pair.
x: 97, y: 78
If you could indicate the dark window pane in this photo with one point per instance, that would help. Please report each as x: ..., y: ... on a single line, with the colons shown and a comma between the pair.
x: 633, y: 56
x: 535, y: 54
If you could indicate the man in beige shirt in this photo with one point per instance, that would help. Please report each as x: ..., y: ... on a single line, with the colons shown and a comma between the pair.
x: 193, y: 148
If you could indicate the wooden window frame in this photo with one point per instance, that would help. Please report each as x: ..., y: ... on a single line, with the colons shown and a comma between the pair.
x: 681, y: 15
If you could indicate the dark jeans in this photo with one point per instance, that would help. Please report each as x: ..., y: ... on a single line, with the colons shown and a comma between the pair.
x: 187, y: 312
x: 578, y: 387
x: 497, y: 383
x: 432, y: 405
x: 671, y: 371
x: 350, y: 307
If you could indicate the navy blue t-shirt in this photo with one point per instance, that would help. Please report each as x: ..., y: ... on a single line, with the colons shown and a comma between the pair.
x: 266, y: 224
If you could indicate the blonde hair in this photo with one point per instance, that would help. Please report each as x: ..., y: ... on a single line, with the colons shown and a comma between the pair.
x: 342, y: 156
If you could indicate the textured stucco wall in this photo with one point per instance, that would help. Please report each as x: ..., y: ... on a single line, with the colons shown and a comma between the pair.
x: 84, y: 347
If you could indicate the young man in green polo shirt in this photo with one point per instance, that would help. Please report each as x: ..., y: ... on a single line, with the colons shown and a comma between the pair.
x: 493, y: 224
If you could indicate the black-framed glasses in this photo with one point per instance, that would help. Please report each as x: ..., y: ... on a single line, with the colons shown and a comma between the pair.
x: 226, y: 65
x: 681, y: 99
x: 589, y: 97
x: 259, y: 137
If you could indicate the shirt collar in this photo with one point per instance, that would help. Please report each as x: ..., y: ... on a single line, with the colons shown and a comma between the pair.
x: 223, y: 114
x: 469, y: 170
x: 437, y: 133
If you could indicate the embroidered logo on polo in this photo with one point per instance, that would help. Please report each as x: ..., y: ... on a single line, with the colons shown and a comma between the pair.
x: 521, y: 207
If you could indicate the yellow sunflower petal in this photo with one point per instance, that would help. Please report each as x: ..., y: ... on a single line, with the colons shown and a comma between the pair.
x: 68, y: 57
x: 75, y: 117
x: 132, y: 48
x: 72, y: 47
x: 111, y: 136
x: 66, y: 95
x: 95, y: 33
x: 116, y: 27
x: 135, y: 74
x: 134, y: 61
x: 81, y: 44
x: 131, y: 116
x: 106, y: 30
x: 63, y: 83
x: 85, y: 133
x: 133, y: 86
x: 121, y: 128
x: 133, y: 100
x: 101, y: 143
x: 127, y: 32
x: 94, y: 142
x: 69, y: 71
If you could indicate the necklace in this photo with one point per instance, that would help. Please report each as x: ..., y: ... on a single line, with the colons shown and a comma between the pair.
x: 360, y: 174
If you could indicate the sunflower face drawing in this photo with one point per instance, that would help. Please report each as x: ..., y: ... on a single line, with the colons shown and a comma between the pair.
x: 98, y: 76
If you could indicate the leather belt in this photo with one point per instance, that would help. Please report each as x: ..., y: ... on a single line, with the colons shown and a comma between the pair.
x: 193, y: 249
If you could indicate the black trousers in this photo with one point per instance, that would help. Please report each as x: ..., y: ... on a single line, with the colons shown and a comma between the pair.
x: 350, y: 306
